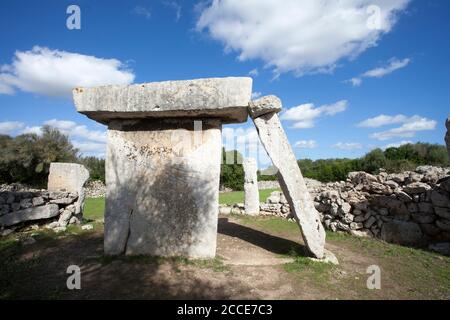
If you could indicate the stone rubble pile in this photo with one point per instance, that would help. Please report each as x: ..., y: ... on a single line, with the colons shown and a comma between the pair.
x: 95, y: 189
x: 52, y: 209
x: 405, y: 208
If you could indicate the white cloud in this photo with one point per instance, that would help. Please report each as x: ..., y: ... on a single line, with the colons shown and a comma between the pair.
x: 142, y: 11
x: 408, y: 130
x: 253, y: 72
x: 7, y: 127
x: 256, y: 95
x: 382, y: 120
x: 347, y: 146
x: 304, y: 36
x: 56, y: 73
x: 306, y: 144
x: 35, y: 130
x: 304, y: 115
x: 72, y: 129
x: 396, y: 144
x: 394, y: 64
x: 90, y: 148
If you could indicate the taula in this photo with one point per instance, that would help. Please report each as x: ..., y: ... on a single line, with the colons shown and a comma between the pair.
x: 264, y: 114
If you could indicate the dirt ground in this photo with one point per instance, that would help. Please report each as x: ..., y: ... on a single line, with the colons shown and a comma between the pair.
x: 257, y: 259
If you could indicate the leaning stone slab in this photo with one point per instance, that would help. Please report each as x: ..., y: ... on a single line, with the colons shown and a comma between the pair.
x: 251, y: 191
x: 291, y: 180
x: 223, y: 98
x: 35, y: 213
x: 162, y: 188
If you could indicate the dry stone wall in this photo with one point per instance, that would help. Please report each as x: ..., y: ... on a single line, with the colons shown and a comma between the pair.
x: 411, y: 208
x: 24, y: 208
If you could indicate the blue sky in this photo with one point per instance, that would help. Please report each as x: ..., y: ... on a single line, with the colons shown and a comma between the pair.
x: 351, y: 78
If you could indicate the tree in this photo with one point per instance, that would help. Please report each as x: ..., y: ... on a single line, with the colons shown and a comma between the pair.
x: 96, y: 167
x: 232, y: 174
x: 27, y: 157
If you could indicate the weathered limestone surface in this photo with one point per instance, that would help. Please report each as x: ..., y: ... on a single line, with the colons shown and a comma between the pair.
x: 224, y: 98
x: 162, y: 187
x: 69, y: 177
x: 251, y: 191
x: 266, y: 104
x: 447, y: 136
x: 35, y: 213
x: 291, y: 180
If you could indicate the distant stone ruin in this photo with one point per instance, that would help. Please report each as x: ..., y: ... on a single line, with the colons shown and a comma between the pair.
x: 62, y: 204
x: 251, y: 191
x: 163, y: 163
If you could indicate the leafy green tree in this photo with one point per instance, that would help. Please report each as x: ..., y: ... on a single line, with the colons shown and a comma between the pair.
x: 27, y: 157
x: 232, y: 174
x: 96, y: 167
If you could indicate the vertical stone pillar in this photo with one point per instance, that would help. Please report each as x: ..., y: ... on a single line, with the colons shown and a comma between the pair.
x: 162, y: 187
x: 69, y: 177
x: 251, y: 191
x: 265, y: 117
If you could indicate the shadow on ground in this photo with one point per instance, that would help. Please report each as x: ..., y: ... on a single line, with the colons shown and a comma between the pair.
x: 261, y: 239
x: 38, y: 271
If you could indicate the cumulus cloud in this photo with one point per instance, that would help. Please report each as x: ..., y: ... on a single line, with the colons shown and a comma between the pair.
x: 306, y: 144
x: 396, y: 144
x: 394, y: 64
x: 410, y: 126
x: 55, y: 73
x: 305, y: 115
x: 72, y: 129
x: 383, y: 120
x: 90, y: 148
x: 7, y: 127
x: 348, y: 146
x: 304, y: 36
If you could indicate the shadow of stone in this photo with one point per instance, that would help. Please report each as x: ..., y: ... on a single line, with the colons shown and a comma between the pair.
x: 38, y: 271
x: 261, y: 239
x: 160, y: 204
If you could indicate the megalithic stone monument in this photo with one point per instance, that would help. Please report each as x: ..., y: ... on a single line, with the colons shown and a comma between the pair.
x: 264, y: 114
x: 251, y: 191
x: 163, y: 161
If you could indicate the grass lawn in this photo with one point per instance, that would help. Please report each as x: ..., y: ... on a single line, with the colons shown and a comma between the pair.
x: 238, y: 196
x: 38, y: 270
x: 95, y: 207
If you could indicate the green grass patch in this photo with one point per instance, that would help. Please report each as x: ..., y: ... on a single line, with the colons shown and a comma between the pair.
x: 271, y: 224
x: 238, y: 196
x: 94, y: 208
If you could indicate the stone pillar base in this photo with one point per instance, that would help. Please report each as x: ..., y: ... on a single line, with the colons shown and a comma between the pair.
x: 162, y: 180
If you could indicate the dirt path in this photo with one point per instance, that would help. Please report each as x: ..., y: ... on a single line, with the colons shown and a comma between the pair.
x: 253, y: 263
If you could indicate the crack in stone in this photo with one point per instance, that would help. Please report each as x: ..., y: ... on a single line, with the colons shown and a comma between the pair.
x: 129, y: 232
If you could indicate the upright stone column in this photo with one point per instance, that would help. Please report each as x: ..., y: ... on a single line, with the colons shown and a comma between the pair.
x: 69, y: 177
x: 163, y: 161
x: 265, y: 117
x: 251, y: 191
